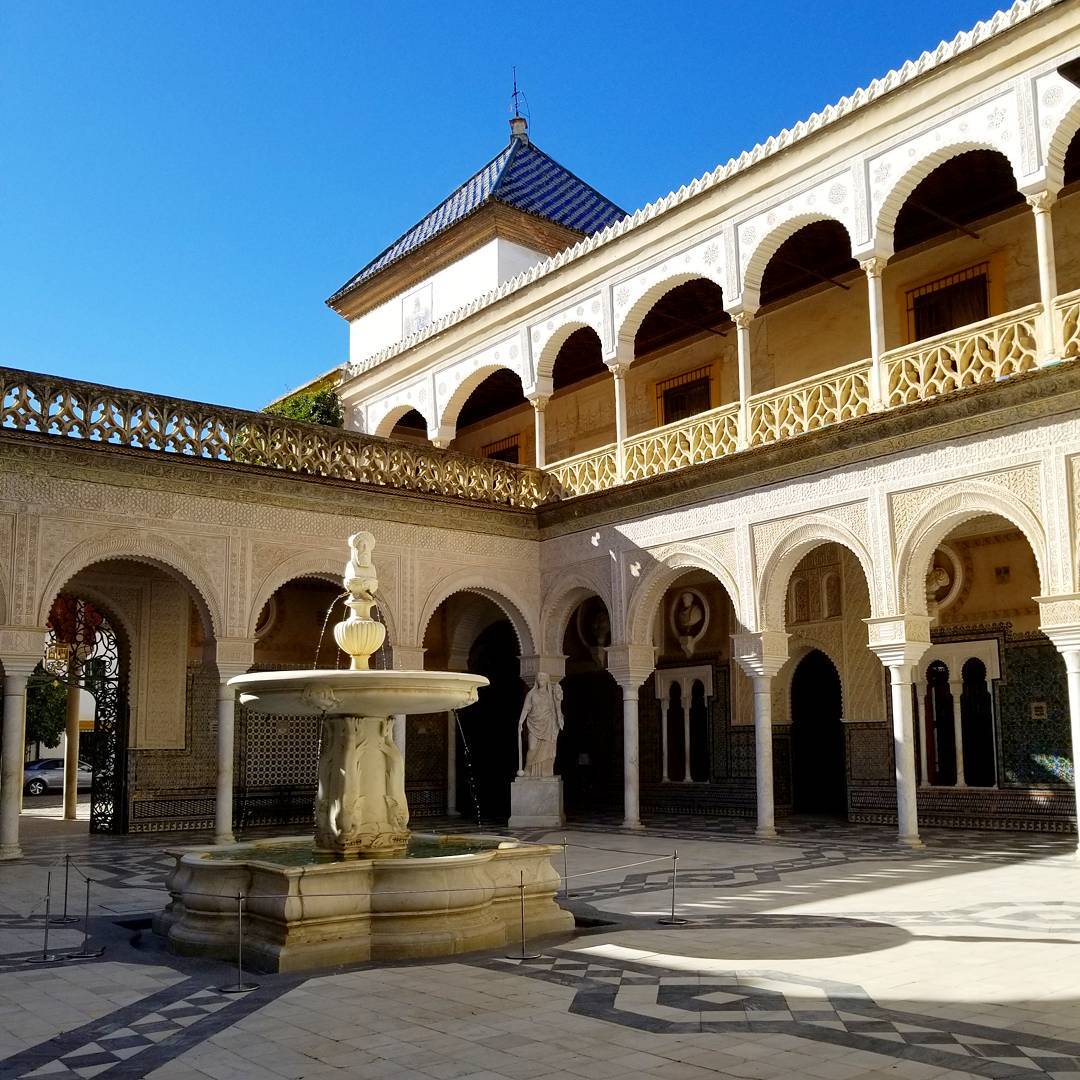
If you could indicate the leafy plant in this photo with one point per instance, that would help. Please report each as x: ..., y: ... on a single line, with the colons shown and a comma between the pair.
x: 315, y: 406
x: 46, y: 709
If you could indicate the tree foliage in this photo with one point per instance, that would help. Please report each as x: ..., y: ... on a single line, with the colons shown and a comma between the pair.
x: 315, y: 406
x: 46, y: 709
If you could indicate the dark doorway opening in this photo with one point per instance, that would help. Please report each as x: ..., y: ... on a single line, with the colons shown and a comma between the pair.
x: 819, y: 775
x: 490, y: 728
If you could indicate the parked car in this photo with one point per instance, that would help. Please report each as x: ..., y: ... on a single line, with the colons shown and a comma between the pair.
x: 47, y: 774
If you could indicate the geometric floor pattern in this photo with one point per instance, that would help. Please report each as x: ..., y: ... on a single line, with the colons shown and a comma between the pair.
x: 830, y: 953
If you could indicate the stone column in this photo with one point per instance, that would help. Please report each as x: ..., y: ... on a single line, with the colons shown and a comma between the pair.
x: 539, y: 404
x: 630, y: 666
x: 664, y: 703
x: 761, y: 656
x: 619, y: 374
x: 1041, y: 204
x: 874, y: 268
x: 234, y: 657
x: 742, y: 320
x: 71, y: 741
x: 899, y: 642
x: 1060, y: 622
x: 631, y: 770
x: 16, y: 671
x: 685, y: 702
x: 956, y: 689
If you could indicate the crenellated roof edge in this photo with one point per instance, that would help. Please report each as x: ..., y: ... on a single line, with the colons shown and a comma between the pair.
x: 980, y: 33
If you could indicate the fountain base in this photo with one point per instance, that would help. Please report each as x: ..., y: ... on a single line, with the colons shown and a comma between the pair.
x: 303, y: 912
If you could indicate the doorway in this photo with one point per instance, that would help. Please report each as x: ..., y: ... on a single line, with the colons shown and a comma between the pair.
x: 819, y: 774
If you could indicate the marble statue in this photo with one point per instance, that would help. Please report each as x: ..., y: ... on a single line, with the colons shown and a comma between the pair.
x: 541, y: 717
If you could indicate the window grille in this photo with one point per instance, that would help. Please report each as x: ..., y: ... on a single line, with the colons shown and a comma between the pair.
x: 950, y: 301
x: 507, y: 449
x: 684, y: 395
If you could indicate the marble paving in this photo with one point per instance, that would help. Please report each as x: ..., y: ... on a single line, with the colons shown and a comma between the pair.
x: 828, y: 952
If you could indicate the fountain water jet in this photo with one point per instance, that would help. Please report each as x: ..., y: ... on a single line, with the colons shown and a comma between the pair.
x: 364, y: 889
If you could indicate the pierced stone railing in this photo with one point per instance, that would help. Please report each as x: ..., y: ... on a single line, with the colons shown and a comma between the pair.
x: 982, y: 352
x: 585, y: 473
x: 810, y: 404
x: 50, y: 405
x: 704, y: 437
x: 1067, y: 315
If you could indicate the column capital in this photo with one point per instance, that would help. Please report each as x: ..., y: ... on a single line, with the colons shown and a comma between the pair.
x: 538, y: 401
x: 631, y: 665
x: 234, y: 656
x: 874, y: 266
x: 742, y: 319
x: 441, y: 436
x: 617, y: 366
x: 553, y: 666
x: 762, y: 654
x: 899, y: 640
x: 20, y: 646
x: 1041, y: 201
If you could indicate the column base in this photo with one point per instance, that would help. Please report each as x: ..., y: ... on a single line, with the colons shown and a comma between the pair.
x: 10, y: 851
x: 224, y: 838
x: 627, y: 824
x: 912, y: 842
x: 765, y: 832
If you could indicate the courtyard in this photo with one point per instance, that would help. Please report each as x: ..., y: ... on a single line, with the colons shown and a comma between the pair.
x: 830, y: 951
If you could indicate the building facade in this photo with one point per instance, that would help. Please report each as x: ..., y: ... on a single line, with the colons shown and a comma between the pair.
x: 778, y: 475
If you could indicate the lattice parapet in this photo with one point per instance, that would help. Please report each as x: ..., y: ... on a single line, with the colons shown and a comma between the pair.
x: 810, y: 404
x: 1067, y: 313
x: 64, y: 407
x: 595, y: 470
x: 704, y: 437
x: 980, y: 353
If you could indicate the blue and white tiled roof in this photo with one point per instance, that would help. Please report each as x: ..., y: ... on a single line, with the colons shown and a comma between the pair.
x: 521, y: 176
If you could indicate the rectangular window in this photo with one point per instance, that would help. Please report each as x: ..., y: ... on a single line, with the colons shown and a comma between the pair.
x: 684, y: 395
x: 506, y: 449
x: 949, y: 302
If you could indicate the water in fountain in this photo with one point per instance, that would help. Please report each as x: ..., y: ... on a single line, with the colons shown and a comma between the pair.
x: 470, y: 774
x: 325, y: 624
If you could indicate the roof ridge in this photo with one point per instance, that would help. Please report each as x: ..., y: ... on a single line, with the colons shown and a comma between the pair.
x: 515, y: 145
x: 945, y: 51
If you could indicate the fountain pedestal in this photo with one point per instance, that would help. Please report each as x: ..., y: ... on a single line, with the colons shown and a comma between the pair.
x: 360, y: 806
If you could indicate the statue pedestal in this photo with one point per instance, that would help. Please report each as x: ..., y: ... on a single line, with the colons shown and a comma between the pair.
x: 536, y: 802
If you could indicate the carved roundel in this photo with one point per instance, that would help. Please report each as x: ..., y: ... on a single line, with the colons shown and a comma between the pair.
x: 689, y: 617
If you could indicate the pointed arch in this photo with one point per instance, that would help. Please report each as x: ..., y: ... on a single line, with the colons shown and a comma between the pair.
x: 137, y: 546
x: 947, y: 511
x: 765, y: 248
x: 642, y: 294
x: 905, y: 184
x: 451, y: 409
x: 792, y: 547
x: 1057, y: 145
x: 667, y: 569
x: 491, y: 587
x: 560, y: 603
x: 549, y: 352
x: 394, y: 414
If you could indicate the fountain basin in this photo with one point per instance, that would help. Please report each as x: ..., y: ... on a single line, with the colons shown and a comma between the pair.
x: 459, y: 895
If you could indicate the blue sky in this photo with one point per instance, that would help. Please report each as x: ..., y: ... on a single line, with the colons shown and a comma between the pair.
x: 183, y: 184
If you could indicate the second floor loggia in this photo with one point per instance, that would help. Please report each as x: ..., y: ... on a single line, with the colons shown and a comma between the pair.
x: 983, y: 283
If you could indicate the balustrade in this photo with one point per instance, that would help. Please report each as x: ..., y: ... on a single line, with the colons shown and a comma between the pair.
x: 48, y: 405
x: 582, y: 474
x: 704, y: 437
x: 982, y: 352
x: 810, y: 404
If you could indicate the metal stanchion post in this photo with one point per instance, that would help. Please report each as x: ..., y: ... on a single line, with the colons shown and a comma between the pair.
x: 523, y: 955
x: 565, y: 875
x: 673, y: 919
x: 84, y: 953
x: 241, y: 987
x: 66, y: 918
x: 46, y: 957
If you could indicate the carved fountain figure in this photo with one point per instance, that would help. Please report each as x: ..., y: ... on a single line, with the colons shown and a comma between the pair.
x: 364, y: 889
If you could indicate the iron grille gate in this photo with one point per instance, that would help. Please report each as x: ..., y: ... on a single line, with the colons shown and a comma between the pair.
x: 82, y: 650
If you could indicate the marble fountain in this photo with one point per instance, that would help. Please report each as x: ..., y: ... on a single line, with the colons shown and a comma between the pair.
x: 364, y: 887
